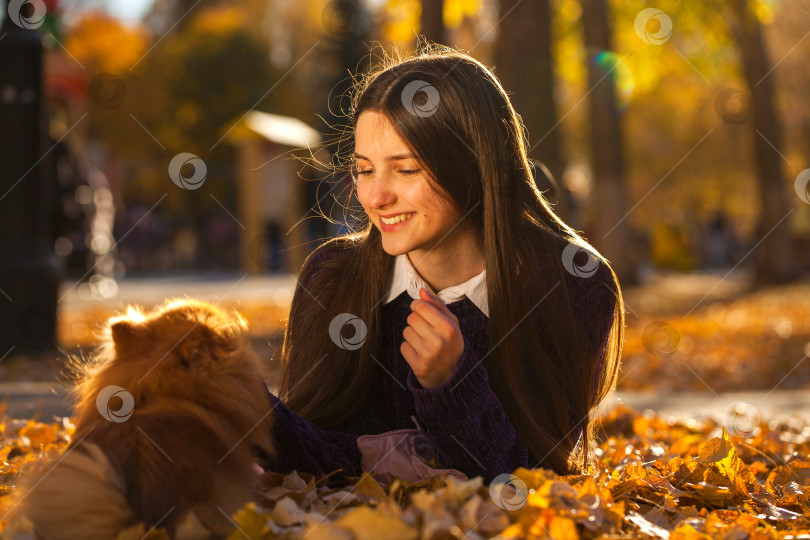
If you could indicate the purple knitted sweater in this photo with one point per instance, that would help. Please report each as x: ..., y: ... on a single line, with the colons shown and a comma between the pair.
x: 467, y: 424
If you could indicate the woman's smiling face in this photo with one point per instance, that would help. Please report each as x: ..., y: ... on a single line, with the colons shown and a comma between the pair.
x: 391, y: 182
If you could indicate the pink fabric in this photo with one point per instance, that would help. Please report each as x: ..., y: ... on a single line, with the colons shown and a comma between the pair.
x: 403, y: 453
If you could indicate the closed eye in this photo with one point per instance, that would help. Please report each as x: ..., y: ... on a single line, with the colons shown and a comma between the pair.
x: 401, y: 172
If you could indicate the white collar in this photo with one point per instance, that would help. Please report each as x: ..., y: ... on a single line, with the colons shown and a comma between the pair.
x: 406, y: 278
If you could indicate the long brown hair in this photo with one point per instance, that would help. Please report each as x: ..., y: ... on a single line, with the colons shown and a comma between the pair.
x: 469, y: 138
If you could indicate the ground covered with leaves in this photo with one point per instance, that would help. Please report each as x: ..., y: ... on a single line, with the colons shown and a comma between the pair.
x: 757, y: 341
x: 655, y: 477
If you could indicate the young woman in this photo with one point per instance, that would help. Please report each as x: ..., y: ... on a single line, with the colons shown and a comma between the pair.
x: 463, y: 303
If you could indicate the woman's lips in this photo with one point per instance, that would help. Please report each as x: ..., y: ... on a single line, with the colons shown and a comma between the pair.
x: 396, y: 226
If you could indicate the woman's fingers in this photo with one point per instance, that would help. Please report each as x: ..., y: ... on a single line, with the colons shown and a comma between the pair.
x: 413, y: 338
x: 420, y: 324
x: 409, y: 353
x: 416, y: 356
x: 433, y: 343
x: 440, y: 319
x: 436, y: 302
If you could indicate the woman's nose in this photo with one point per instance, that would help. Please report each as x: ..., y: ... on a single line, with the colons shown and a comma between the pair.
x: 380, y: 192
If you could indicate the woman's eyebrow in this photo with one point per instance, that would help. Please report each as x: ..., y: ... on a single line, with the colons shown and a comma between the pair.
x: 389, y: 158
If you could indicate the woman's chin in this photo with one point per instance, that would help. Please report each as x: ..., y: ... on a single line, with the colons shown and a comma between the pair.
x: 394, y: 248
x: 394, y: 252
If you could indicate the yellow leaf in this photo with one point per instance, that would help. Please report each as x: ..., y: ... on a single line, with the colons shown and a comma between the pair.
x: 368, y: 524
x: 534, y: 478
x: 562, y: 528
x: 722, y: 456
x: 40, y: 434
x: 251, y: 520
x: 326, y: 531
x: 369, y: 487
x: 687, y: 531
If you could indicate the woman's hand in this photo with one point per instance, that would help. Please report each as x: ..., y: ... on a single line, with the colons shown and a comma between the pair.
x: 433, y: 342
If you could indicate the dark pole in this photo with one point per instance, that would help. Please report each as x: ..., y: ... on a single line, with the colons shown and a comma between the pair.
x: 432, y: 21
x: 28, y: 268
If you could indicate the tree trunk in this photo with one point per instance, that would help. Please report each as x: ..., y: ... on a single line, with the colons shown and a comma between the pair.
x: 612, y: 233
x: 773, y: 258
x: 524, y: 66
x: 432, y: 21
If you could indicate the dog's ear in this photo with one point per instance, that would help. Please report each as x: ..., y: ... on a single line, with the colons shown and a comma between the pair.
x: 124, y: 332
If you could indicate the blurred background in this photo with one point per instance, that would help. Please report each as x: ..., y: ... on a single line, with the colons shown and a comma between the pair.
x: 153, y: 148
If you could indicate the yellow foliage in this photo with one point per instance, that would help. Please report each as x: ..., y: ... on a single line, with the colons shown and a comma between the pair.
x: 763, y: 11
x: 219, y: 21
x: 401, y: 20
x: 103, y: 43
x: 456, y: 10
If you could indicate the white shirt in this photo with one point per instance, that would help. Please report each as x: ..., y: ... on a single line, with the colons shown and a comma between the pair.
x: 406, y: 278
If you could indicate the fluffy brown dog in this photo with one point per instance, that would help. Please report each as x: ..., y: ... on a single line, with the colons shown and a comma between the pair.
x: 170, y: 415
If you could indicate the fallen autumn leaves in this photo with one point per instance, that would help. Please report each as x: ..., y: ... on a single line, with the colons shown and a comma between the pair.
x: 750, y: 343
x: 654, y: 477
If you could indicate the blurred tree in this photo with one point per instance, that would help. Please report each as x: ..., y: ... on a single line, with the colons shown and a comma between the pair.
x: 431, y: 21
x: 786, y: 32
x: 523, y: 63
x: 774, y: 256
x: 212, y: 72
x: 178, y: 94
x: 107, y: 48
x: 104, y: 43
x: 786, y: 29
x: 665, y: 94
x: 606, y: 144
x: 464, y: 24
x: 172, y: 16
x: 184, y: 89
x: 399, y: 19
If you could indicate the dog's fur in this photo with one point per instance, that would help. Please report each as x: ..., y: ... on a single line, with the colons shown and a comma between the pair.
x: 200, y: 418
